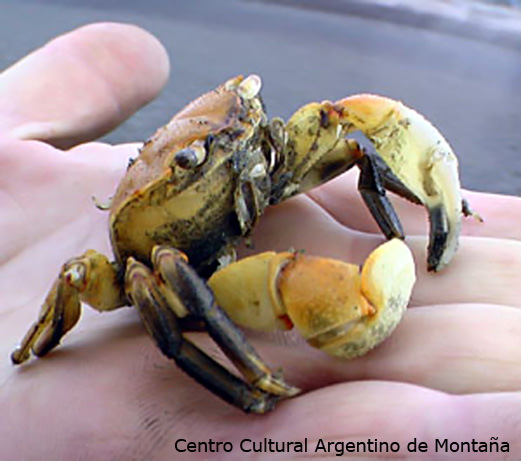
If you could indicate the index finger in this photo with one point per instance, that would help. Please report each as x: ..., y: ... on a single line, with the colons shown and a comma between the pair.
x: 82, y: 84
x: 342, y: 201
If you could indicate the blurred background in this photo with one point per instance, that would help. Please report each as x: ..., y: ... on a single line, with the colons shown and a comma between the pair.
x: 457, y: 62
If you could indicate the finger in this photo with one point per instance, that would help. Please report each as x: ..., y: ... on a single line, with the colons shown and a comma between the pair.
x: 340, y: 197
x: 81, y: 84
x: 48, y: 212
x: 386, y: 412
x: 144, y: 405
x: 371, y: 412
x: 457, y: 349
x: 484, y: 270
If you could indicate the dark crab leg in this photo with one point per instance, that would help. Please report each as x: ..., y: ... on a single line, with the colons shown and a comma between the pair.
x: 189, y: 294
x: 186, y: 294
x: 162, y: 324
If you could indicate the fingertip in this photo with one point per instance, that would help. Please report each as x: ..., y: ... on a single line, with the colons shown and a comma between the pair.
x: 136, y: 52
x: 82, y: 84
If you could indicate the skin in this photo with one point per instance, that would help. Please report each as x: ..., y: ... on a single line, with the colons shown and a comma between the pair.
x: 452, y: 369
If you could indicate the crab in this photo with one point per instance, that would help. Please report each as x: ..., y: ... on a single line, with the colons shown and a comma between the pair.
x: 199, y: 186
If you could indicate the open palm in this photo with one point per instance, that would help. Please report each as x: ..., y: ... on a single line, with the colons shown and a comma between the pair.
x: 452, y: 368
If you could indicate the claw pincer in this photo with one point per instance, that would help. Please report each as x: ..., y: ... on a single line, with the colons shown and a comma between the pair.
x: 418, y: 164
x: 406, y: 155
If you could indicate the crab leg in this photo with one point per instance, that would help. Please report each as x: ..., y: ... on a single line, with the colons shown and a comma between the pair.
x: 161, y: 321
x: 190, y: 295
x: 90, y: 278
x: 187, y: 294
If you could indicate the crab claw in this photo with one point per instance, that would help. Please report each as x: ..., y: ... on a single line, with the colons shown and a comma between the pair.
x: 334, y: 306
x: 418, y: 164
x: 343, y: 311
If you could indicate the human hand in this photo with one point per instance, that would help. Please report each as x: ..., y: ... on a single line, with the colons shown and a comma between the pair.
x: 450, y: 370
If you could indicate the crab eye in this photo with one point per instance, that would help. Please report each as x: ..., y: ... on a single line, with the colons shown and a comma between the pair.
x: 191, y: 157
x: 185, y: 158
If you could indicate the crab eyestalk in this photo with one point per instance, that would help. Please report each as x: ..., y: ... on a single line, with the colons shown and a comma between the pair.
x: 335, y: 306
x: 407, y: 155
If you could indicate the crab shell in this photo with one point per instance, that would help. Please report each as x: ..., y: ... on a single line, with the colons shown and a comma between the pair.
x: 162, y: 201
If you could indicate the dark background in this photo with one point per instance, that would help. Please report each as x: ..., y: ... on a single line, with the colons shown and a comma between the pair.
x: 459, y: 65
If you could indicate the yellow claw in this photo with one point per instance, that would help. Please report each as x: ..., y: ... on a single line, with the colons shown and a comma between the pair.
x: 247, y: 291
x: 332, y: 304
x: 410, y: 158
